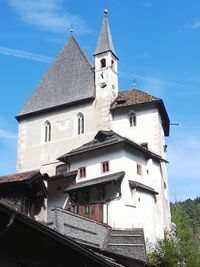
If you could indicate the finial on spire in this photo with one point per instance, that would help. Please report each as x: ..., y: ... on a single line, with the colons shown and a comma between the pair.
x: 71, y: 29
x: 134, y: 83
x: 105, y: 11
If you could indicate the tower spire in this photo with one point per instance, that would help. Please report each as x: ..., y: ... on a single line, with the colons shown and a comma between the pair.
x: 105, y: 42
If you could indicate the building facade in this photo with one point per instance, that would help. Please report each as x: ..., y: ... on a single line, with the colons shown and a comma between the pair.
x: 103, y: 149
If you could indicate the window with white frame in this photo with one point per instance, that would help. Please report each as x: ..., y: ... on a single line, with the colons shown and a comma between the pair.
x: 47, y: 131
x: 82, y: 172
x: 105, y: 166
x: 80, y: 122
x: 132, y: 119
x: 75, y: 209
x: 87, y: 209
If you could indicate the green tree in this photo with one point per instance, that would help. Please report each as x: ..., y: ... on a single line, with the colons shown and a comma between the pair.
x: 180, y: 249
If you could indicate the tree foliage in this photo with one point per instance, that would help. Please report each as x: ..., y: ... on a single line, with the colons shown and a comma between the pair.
x: 179, y: 249
x: 192, y: 208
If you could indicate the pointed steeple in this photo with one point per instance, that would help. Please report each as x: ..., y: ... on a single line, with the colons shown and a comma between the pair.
x: 105, y: 42
x: 69, y: 79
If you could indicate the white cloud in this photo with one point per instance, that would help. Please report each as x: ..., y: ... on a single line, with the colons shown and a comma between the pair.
x: 193, y: 25
x: 7, y: 135
x: 18, y: 53
x: 48, y: 14
x: 184, y: 164
x: 149, y: 84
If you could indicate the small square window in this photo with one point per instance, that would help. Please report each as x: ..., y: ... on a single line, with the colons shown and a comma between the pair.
x: 82, y: 172
x: 75, y: 209
x: 105, y: 166
x: 87, y: 210
x: 139, y: 169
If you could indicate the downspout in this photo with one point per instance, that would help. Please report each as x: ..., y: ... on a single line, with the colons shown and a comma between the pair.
x: 109, y: 200
x: 9, y: 225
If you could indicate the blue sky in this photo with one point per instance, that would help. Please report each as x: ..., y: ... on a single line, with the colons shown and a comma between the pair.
x: 157, y: 42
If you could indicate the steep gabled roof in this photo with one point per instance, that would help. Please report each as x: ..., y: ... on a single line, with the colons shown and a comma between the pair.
x: 105, y: 139
x: 134, y: 98
x: 70, y: 79
x: 105, y: 42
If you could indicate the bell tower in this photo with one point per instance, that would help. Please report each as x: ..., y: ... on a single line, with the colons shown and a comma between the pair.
x: 106, y: 71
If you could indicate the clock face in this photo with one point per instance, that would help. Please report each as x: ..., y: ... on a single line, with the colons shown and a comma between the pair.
x: 102, y: 77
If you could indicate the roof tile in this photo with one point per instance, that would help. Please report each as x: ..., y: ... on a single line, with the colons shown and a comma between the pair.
x: 69, y: 79
x: 132, y: 97
x: 17, y: 176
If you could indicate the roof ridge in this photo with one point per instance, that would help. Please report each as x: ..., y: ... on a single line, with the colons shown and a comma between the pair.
x: 19, y: 173
x: 83, y: 53
x: 69, y: 79
x: 139, y: 90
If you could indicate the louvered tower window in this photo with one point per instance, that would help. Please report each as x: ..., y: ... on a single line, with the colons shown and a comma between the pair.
x: 103, y: 63
x: 47, y: 129
x: 81, y: 124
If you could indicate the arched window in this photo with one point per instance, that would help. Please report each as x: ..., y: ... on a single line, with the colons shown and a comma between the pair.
x: 132, y: 119
x: 80, y: 123
x: 47, y: 131
x: 103, y: 63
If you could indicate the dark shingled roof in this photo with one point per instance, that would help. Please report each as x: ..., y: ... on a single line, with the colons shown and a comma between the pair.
x: 132, y: 97
x: 105, y: 139
x: 30, y: 181
x: 105, y: 42
x: 135, y: 97
x: 127, y: 242
x: 134, y: 184
x: 96, y: 181
x: 17, y: 177
x: 52, y: 241
x: 70, y: 79
x: 65, y: 175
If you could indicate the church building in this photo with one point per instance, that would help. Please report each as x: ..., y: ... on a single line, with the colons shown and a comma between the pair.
x: 101, y: 150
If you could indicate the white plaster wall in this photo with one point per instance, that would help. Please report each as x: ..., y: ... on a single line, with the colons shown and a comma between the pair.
x: 34, y: 153
x: 56, y: 195
x: 148, y: 127
x: 139, y: 209
x: 105, y: 96
x: 135, y: 208
x: 92, y: 162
